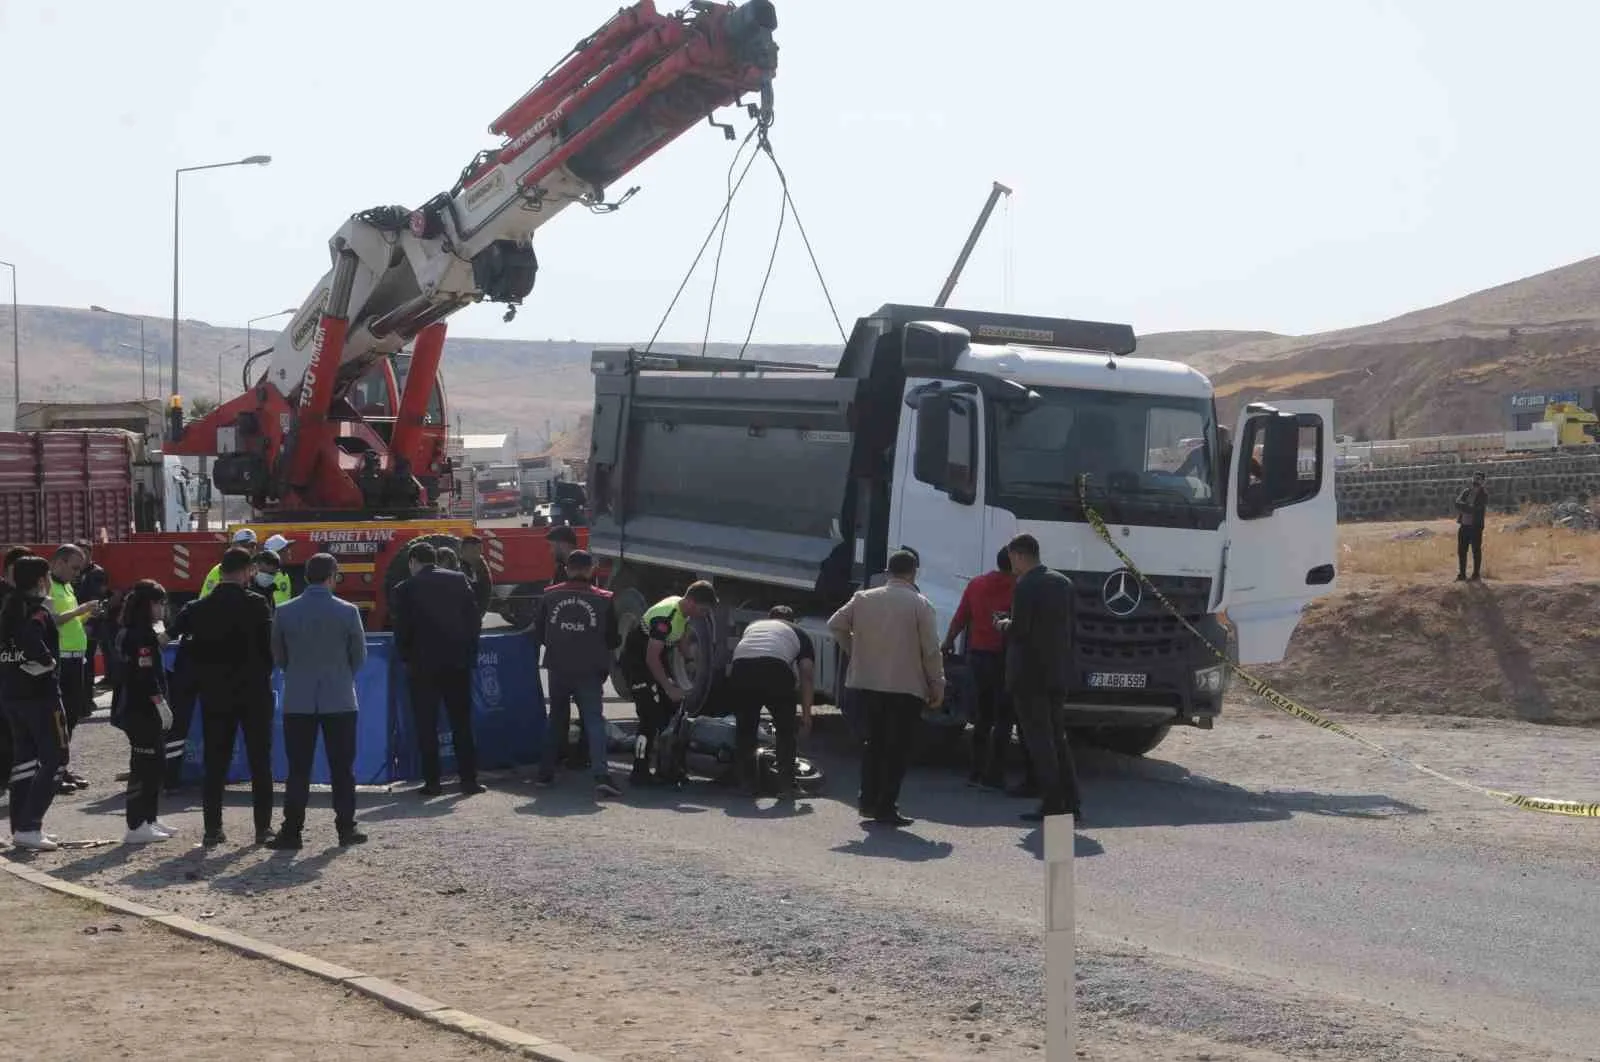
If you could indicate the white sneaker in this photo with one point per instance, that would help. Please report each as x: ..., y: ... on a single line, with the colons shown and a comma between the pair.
x: 161, y: 827
x: 145, y: 834
x: 34, y: 841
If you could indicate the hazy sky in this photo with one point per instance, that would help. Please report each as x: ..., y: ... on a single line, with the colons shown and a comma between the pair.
x: 1294, y: 166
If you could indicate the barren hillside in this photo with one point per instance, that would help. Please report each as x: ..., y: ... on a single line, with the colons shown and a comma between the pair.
x: 537, y: 388
x: 1564, y: 298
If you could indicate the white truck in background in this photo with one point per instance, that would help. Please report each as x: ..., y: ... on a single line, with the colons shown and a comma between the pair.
x: 951, y: 431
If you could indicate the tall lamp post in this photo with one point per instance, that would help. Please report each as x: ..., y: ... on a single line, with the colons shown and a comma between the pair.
x: 16, y: 349
x: 143, y: 390
x: 220, y: 353
x: 177, y: 185
x: 249, y: 347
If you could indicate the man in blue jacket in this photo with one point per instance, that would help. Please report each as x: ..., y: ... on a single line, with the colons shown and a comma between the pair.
x: 318, y: 641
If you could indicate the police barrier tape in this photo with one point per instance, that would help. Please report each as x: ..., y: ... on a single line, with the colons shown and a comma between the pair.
x: 1293, y: 708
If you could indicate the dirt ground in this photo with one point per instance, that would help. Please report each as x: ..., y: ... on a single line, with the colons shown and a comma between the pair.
x: 129, y: 990
x: 1401, y: 636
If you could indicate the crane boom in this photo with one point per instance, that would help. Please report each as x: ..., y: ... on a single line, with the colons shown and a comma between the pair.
x: 972, y: 241
x: 623, y: 93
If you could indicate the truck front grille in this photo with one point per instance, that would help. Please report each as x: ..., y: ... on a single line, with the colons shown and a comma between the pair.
x: 1148, y: 636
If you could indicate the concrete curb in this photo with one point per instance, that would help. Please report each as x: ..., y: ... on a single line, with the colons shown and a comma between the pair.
x: 403, y: 1000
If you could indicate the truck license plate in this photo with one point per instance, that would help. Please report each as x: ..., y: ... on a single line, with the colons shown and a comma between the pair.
x: 1117, y: 680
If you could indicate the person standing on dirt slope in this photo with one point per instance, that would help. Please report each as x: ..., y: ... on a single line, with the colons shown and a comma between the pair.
x: 577, y: 626
x: 1472, y: 507
x: 30, y: 698
x: 1038, y: 674
x: 986, y: 601
x: 774, y: 667
x: 892, y: 638
x: 644, y: 662
x: 142, y: 709
x: 76, y: 696
x: 436, y: 629
x: 229, y: 632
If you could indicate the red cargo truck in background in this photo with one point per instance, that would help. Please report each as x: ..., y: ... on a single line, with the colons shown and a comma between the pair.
x: 62, y: 486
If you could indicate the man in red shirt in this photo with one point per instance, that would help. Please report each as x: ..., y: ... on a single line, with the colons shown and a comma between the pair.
x: 985, y: 600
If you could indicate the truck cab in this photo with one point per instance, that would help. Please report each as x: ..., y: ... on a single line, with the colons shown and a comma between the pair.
x: 951, y: 431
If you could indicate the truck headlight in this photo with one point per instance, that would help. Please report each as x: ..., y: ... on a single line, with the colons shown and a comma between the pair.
x: 1212, y: 679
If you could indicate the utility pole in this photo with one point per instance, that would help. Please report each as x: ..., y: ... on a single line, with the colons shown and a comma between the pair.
x: 972, y: 241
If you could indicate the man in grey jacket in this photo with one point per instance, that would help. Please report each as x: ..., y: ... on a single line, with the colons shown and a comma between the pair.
x: 318, y: 641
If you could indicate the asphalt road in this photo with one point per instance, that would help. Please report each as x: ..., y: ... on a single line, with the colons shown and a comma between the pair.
x: 1266, y: 883
x: 1382, y: 891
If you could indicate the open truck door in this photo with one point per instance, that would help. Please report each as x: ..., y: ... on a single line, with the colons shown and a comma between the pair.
x: 1282, y: 523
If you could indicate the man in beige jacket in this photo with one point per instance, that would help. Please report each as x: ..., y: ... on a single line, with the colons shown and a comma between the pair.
x: 895, y: 671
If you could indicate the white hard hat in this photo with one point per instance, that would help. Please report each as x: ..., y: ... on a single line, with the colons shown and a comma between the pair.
x: 277, y: 544
x: 244, y: 537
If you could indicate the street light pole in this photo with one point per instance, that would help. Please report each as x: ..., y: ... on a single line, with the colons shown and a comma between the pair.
x: 16, y: 349
x: 249, y: 347
x: 177, y: 186
x: 144, y: 392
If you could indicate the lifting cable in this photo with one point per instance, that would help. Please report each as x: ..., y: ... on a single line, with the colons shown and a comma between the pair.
x: 763, y: 147
x: 726, y: 206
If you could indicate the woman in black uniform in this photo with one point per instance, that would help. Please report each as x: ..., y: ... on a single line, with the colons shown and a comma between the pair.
x: 30, y: 698
x: 143, y: 710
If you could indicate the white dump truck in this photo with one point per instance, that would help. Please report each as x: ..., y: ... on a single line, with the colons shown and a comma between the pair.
x: 950, y: 431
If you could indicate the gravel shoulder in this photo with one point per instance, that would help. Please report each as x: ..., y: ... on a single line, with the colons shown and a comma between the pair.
x: 1223, y: 913
x: 84, y: 983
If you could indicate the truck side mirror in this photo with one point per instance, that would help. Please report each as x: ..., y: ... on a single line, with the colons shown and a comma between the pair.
x: 930, y: 460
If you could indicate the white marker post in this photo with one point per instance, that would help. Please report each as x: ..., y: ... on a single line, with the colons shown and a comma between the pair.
x: 1059, y: 1001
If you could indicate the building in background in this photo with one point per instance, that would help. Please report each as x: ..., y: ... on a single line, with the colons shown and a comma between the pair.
x: 1524, y: 409
x: 481, y: 451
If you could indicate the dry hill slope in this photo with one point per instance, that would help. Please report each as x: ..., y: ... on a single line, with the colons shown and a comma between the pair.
x: 1563, y: 298
x: 76, y: 355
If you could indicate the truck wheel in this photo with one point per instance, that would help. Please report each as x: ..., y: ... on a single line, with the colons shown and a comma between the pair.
x: 629, y: 605
x: 1128, y: 740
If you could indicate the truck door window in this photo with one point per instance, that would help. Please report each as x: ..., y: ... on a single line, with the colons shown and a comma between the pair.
x: 961, y: 474
x: 1284, y: 462
x: 947, y: 446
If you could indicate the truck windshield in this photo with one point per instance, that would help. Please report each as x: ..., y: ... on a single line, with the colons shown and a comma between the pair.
x: 1149, y: 458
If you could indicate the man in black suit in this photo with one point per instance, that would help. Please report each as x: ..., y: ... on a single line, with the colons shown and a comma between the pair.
x: 436, y: 628
x: 1038, y: 674
x: 229, y: 636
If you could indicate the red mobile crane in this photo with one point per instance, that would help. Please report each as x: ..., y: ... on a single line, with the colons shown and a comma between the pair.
x: 341, y: 440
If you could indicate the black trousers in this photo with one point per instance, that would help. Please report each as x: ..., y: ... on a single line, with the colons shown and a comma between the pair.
x: 221, y: 720
x: 338, y: 731
x: 76, y: 702
x: 1044, y: 730
x: 453, y: 686
x: 147, y: 760
x: 1469, y: 538
x: 891, y: 725
x: 765, y: 682
x: 39, y: 748
x: 991, y: 717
